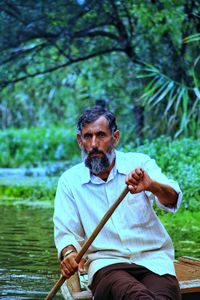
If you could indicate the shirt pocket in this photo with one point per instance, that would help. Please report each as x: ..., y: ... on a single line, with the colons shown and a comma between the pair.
x: 139, y: 209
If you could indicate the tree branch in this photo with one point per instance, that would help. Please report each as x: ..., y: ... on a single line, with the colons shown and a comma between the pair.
x: 129, y: 17
x: 21, y: 52
x: 94, y: 33
x: 122, y: 30
x: 70, y: 62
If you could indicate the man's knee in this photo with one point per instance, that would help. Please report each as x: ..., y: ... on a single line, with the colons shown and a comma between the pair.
x: 165, y: 287
x: 121, y: 286
x: 130, y: 289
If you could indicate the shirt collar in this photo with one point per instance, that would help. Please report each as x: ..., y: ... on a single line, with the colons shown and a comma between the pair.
x: 119, y: 167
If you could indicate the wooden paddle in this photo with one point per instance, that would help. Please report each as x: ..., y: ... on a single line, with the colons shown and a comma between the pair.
x: 87, y: 244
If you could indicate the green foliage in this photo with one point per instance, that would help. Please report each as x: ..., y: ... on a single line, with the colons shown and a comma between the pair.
x: 183, y: 228
x: 110, y: 42
x: 156, y: 21
x: 175, y: 103
x: 42, y: 101
x: 192, y: 38
x: 36, y: 146
x: 23, y: 192
x: 179, y: 160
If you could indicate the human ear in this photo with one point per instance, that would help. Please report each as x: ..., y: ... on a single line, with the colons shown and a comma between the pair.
x: 116, y: 136
x: 79, y: 140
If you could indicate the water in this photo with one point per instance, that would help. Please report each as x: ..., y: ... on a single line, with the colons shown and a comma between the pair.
x: 28, y: 259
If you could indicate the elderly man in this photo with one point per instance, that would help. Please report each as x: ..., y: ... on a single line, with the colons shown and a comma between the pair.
x: 132, y: 257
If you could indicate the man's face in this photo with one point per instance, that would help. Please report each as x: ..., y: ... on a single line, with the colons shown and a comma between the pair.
x: 97, y: 144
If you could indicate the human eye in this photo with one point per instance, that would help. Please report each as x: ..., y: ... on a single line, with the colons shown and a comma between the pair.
x: 101, y: 134
x: 87, y: 136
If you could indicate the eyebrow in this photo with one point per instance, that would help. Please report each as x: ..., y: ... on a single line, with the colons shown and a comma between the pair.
x: 96, y: 133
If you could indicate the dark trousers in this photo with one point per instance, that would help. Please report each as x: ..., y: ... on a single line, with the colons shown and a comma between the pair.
x: 130, y: 281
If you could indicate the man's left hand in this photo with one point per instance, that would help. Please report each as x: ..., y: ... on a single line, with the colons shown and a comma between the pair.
x: 138, y: 180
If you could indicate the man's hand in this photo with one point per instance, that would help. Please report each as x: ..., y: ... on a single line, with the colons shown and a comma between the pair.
x: 69, y: 266
x: 138, y: 180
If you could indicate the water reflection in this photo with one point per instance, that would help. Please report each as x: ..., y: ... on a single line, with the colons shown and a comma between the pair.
x: 28, y: 259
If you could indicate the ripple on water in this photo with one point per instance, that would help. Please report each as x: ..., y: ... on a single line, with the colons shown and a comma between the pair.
x: 28, y: 259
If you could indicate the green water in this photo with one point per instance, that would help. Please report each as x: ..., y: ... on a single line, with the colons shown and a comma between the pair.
x: 28, y: 259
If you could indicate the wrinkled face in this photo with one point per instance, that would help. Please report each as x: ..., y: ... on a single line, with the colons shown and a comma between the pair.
x: 97, y: 144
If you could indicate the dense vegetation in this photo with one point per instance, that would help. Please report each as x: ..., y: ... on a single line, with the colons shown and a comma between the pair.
x: 36, y: 146
x: 58, y: 57
x: 142, y: 57
x: 55, y: 149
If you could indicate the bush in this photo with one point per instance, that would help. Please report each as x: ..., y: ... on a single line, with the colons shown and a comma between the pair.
x: 27, y: 189
x: 179, y: 160
x: 36, y: 146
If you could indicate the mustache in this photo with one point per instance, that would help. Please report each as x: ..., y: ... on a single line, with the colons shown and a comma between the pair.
x: 95, y: 151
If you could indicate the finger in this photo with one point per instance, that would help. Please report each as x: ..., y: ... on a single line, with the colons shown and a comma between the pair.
x: 135, y: 176
x: 131, y: 179
x: 66, y: 265
x: 73, y: 263
x: 70, y: 260
x: 139, y: 172
x: 134, y: 182
x: 65, y: 272
x: 132, y: 189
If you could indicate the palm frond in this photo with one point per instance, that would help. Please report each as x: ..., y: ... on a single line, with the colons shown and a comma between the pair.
x: 173, y: 100
x: 192, y: 38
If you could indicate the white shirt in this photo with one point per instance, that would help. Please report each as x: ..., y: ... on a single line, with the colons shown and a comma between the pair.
x: 133, y: 234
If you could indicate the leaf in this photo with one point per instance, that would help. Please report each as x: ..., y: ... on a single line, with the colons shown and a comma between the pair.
x: 150, y: 88
x: 151, y: 68
x: 165, y: 92
x: 146, y: 75
x: 180, y: 95
x: 196, y: 61
x: 197, y: 92
x: 161, y: 88
x: 172, y: 97
x: 192, y: 38
x: 185, y: 102
x: 194, y: 106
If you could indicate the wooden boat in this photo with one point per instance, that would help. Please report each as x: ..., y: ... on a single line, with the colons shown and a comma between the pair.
x: 187, y: 270
x: 188, y: 274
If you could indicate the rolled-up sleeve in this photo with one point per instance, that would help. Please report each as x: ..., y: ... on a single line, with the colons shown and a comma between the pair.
x: 67, y: 225
x: 156, y: 174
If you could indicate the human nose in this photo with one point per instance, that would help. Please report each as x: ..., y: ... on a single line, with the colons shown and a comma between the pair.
x: 94, y: 143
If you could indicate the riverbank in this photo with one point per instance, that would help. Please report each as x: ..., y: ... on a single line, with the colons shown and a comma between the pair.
x: 39, y: 157
x: 39, y: 191
x: 26, y: 189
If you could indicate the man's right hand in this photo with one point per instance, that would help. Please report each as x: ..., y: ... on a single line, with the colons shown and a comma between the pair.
x: 69, y: 265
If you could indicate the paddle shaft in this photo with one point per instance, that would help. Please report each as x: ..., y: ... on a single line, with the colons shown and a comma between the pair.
x: 87, y: 244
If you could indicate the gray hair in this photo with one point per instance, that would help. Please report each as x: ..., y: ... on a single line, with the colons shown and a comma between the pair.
x: 92, y: 114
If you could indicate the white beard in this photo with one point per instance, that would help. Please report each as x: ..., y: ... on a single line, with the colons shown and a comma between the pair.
x: 98, y: 165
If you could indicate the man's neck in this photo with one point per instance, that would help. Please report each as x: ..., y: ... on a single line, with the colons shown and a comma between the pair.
x: 104, y: 175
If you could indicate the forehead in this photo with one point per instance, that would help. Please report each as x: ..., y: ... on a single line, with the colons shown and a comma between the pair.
x: 101, y: 124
